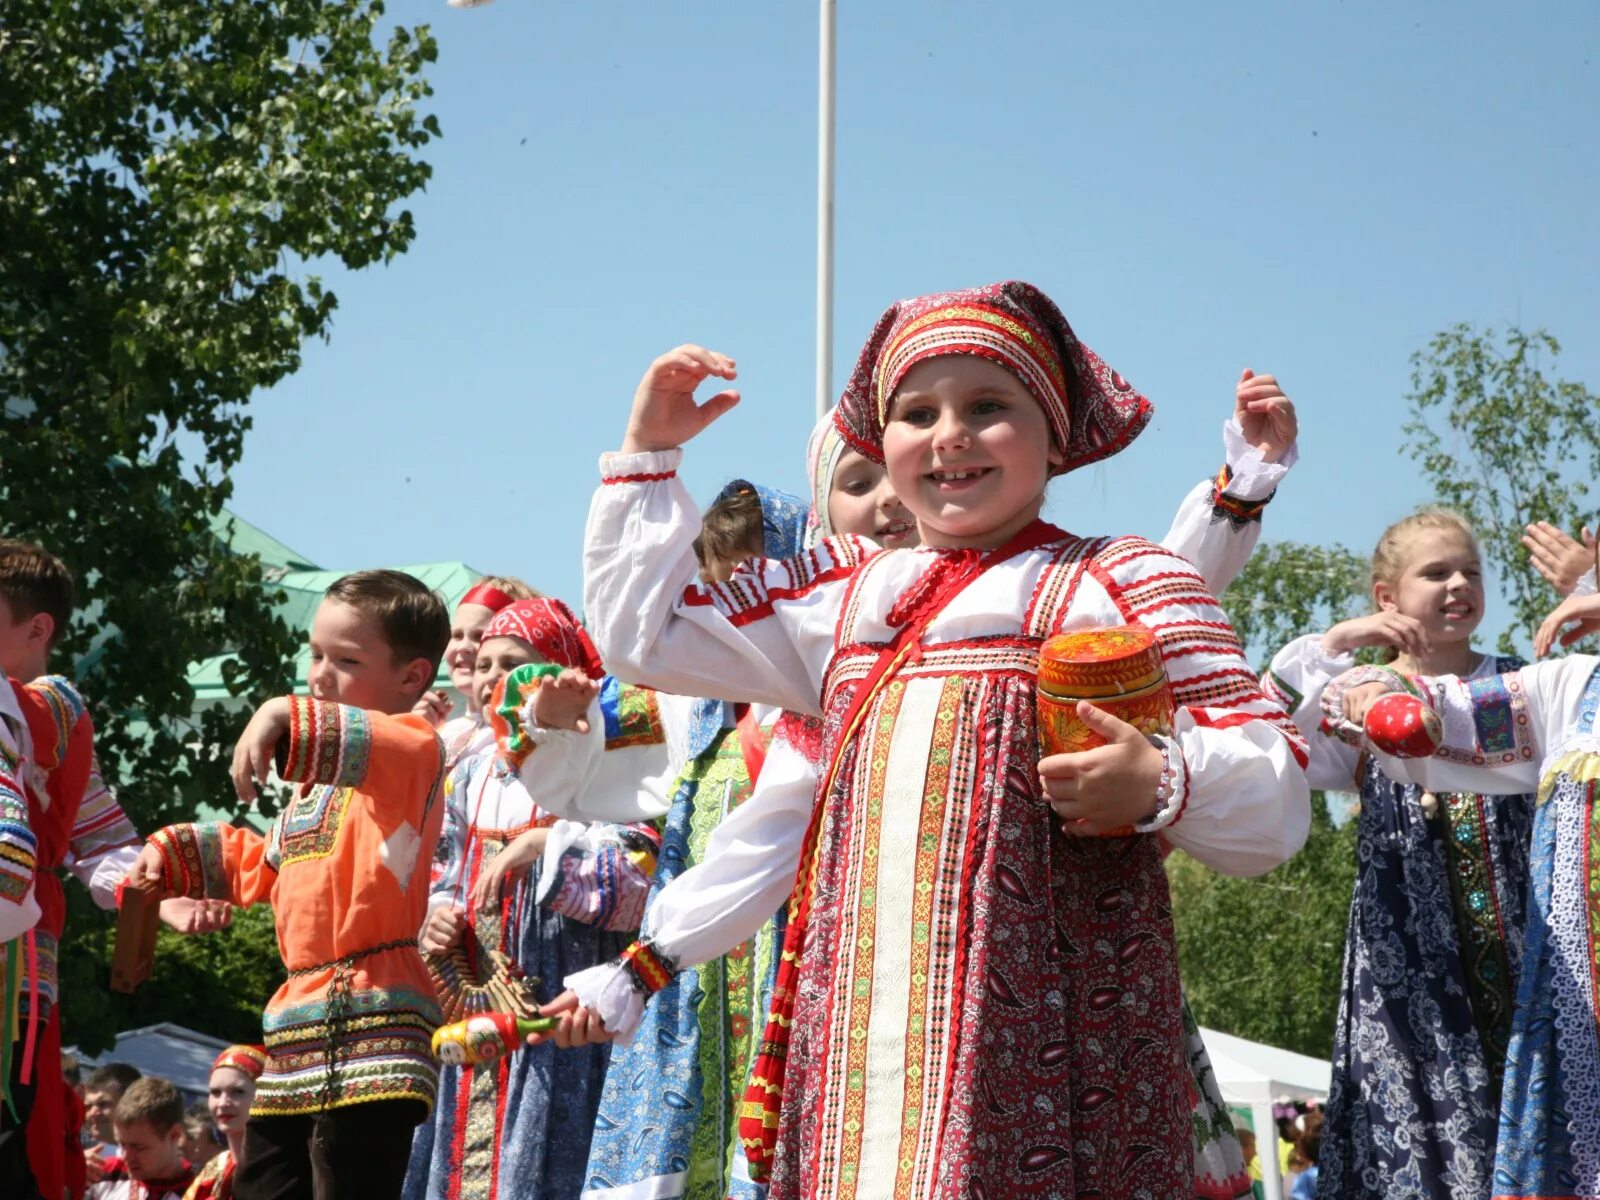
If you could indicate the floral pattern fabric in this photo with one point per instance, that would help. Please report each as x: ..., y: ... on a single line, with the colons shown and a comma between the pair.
x: 1432, y: 955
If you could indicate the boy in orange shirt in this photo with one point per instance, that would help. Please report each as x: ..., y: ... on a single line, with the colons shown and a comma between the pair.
x: 345, y: 866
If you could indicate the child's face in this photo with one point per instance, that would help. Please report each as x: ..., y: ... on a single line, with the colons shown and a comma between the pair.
x: 353, y: 663
x: 968, y: 451
x: 1441, y: 585
x: 24, y: 643
x: 151, y: 1153
x: 716, y: 569
x: 461, y: 651
x: 228, y: 1098
x: 861, y: 501
x: 497, y: 658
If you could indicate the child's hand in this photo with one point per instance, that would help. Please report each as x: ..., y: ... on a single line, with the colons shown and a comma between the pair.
x: 1585, y: 610
x: 1266, y: 416
x: 1559, y: 558
x: 442, y: 930
x: 579, y: 1026
x: 434, y: 708
x: 563, y: 702
x: 665, y: 414
x: 1108, y: 788
x: 252, y: 757
x: 196, y: 916
x: 148, y: 873
x: 1380, y: 629
x: 1361, y: 698
x: 508, y: 866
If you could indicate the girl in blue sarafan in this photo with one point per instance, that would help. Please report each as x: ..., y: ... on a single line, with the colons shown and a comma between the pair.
x: 1435, y: 936
x: 1538, y: 727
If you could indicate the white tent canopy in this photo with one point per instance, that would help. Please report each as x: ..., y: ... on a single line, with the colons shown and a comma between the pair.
x: 169, y: 1051
x: 1254, y: 1075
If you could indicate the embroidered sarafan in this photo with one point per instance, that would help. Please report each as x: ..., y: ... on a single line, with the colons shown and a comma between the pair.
x: 353, y: 1020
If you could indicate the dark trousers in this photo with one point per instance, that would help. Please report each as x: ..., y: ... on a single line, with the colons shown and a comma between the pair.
x: 16, y: 1175
x: 358, y: 1152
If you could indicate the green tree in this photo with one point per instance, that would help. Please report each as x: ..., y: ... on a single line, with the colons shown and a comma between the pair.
x: 1505, y: 446
x: 1288, y: 589
x: 1262, y: 958
x: 168, y: 171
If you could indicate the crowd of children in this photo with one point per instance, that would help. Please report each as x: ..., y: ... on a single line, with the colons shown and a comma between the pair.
x: 767, y: 876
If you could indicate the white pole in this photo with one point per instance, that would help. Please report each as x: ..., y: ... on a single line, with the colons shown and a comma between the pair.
x: 829, y: 13
x: 1267, y: 1149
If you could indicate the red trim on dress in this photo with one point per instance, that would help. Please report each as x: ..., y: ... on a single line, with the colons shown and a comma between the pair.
x: 651, y: 477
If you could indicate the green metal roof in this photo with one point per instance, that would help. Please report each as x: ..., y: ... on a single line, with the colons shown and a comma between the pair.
x: 244, y: 538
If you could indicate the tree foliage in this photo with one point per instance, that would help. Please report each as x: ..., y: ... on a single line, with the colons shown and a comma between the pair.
x: 1262, y: 958
x: 168, y: 170
x: 1505, y: 446
x: 1288, y: 589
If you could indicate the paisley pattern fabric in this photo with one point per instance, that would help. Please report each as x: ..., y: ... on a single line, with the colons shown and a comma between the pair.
x: 666, y: 1117
x: 1550, y: 1117
x: 1432, y: 956
x: 1059, y: 950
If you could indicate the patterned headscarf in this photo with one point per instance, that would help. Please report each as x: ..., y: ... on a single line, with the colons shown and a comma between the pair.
x: 550, y: 628
x: 783, y: 518
x: 823, y: 453
x: 783, y: 529
x: 252, y: 1060
x: 1093, y: 412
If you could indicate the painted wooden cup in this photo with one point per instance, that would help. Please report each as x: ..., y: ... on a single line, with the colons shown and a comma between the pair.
x: 1401, y: 725
x: 1117, y: 668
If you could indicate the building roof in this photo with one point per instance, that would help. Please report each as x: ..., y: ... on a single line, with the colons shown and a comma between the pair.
x: 167, y: 1051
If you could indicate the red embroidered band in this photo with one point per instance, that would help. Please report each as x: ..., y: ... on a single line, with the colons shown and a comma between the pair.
x: 653, y: 971
x: 653, y: 477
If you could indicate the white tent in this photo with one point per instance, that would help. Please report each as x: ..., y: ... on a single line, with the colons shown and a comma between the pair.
x: 1254, y: 1075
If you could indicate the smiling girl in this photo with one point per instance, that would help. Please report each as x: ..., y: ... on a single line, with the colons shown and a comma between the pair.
x: 973, y: 1001
x: 1436, y: 919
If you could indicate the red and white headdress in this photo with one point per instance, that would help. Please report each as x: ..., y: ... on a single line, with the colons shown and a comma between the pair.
x: 1093, y: 412
x: 252, y: 1060
x: 550, y: 627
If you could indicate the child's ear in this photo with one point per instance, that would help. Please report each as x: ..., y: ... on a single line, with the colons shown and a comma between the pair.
x: 1383, y: 595
x: 417, y: 677
x: 1055, y: 457
x: 41, y: 628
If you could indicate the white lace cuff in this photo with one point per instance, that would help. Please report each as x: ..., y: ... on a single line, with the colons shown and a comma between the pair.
x: 1586, y: 585
x: 1252, y: 477
x: 609, y: 991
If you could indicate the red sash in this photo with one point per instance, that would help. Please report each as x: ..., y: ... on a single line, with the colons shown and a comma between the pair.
x: 763, y: 1098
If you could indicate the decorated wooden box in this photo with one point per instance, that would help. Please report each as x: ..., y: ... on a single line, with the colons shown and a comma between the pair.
x: 1116, y: 668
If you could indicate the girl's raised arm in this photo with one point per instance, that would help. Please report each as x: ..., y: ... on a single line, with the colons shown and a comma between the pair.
x: 764, y: 636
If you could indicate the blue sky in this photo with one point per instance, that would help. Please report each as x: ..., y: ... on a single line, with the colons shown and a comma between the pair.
x: 1311, y: 190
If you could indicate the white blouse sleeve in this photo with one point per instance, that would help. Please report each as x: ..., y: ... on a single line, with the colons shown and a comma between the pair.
x: 1296, y: 679
x: 1219, y: 522
x: 1242, y: 782
x: 764, y: 636
x: 745, y: 877
x: 1497, y: 729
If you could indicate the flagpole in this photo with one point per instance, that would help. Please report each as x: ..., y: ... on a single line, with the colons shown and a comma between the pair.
x: 825, y: 123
